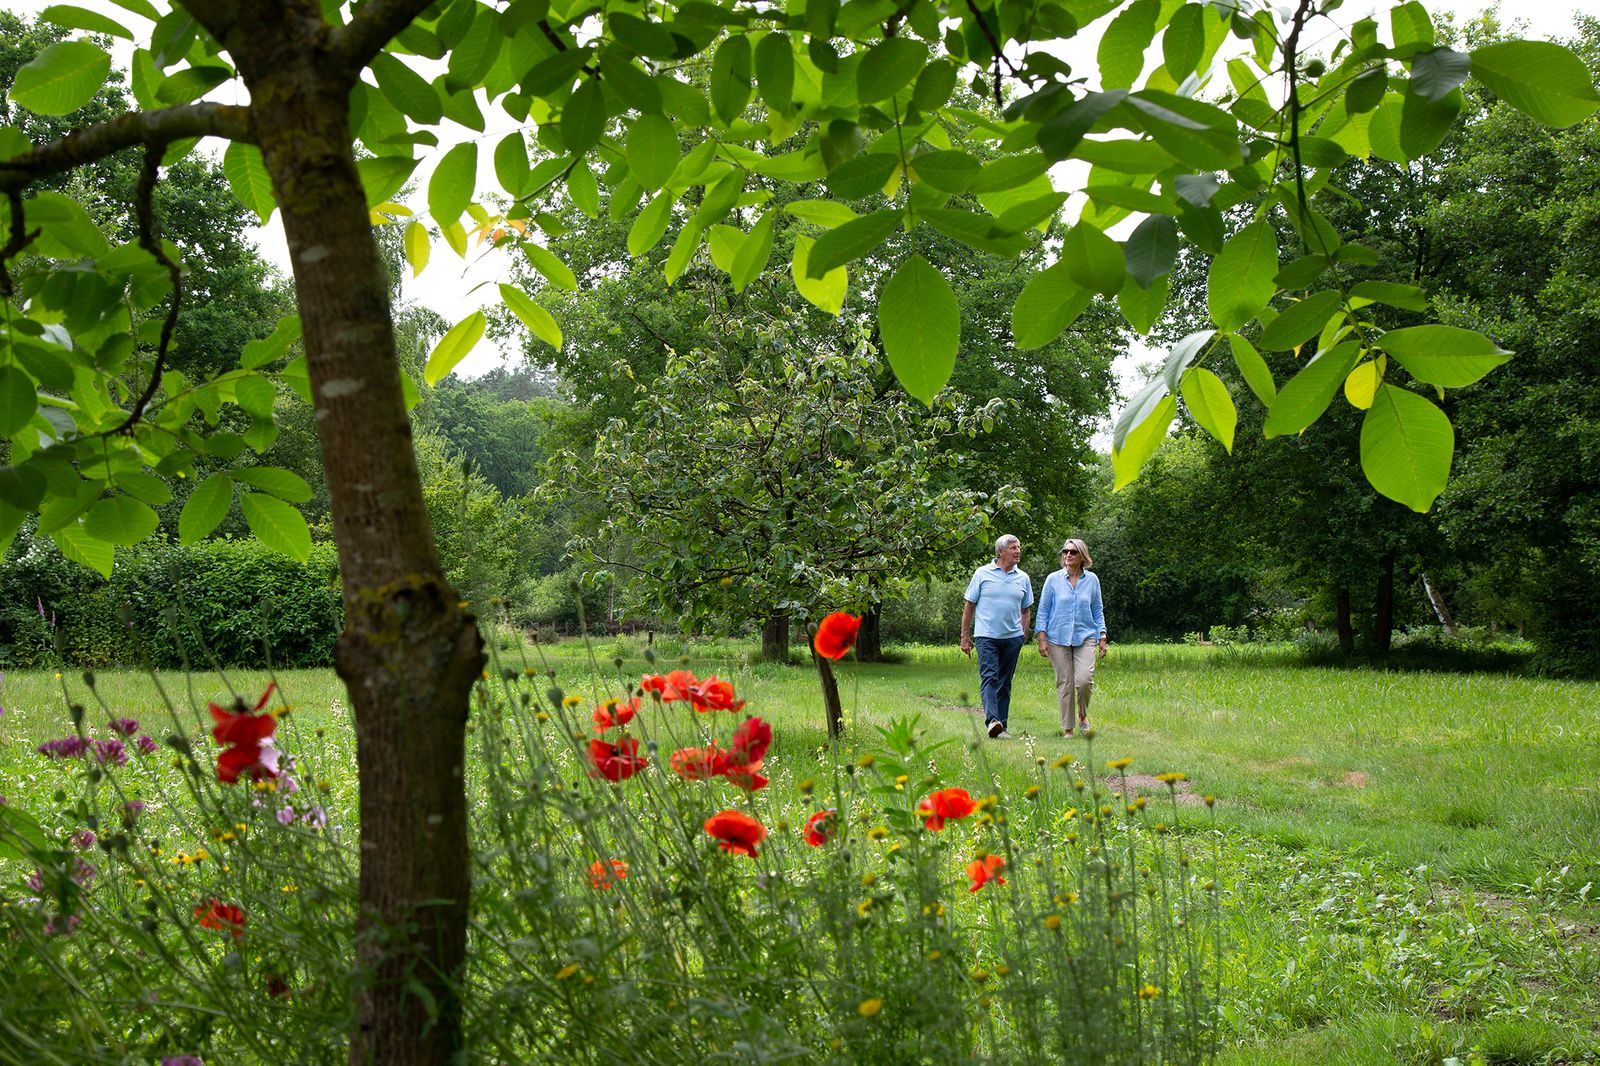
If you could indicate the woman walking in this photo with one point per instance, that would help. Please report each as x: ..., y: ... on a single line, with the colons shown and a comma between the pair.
x: 1072, y: 632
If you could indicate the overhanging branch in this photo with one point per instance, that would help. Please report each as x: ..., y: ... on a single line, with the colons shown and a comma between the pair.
x: 155, y: 129
x: 374, y: 25
x: 150, y: 241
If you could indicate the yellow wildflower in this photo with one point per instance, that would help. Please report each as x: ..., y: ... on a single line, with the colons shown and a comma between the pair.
x: 877, y: 832
x: 566, y: 971
x: 1062, y: 763
x: 1120, y: 764
x: 869, y: 1008
x: 1052, y: 922
x: 1172, y: 777
x: 1149, y: 992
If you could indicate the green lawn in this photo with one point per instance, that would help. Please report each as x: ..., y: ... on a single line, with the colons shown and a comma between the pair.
x: 1411, y: 860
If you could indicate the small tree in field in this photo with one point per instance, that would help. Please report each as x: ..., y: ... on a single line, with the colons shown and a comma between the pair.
x: 94, y: 418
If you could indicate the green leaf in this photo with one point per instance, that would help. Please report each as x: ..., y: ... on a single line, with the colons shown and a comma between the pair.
x: 1240, y: 281
x: 277, y: 525
x: 511, y: 163
x: 1142, y: 307
x: 651, y: 224
x: 683, y: 249
x: 22, y: 487
x: 1141, y: 440
x: 919, y: 320
x: 934, y: 85
x: 948, y: 171
x: 889, y: 66
x: 1186, y: 351
x: 1094, y: 260
x: 1542, y: 80
x: 1393, y: 293
x: 1253, y: 369
x: 81, y: 548
x: 850, y: 241
x: 1305, y: 396
x: 825, y: 213
x: 730, y: 78
x: 120, y: 520
x: 284, y: 484
x: 1151, y: 250
x: 247, y: 177
x: 254, y: 394
x: 76, y: 18
x: 1209, y: 405
x: 1010, y: 172
x: 862, y: 176
x: 751, y: 259
x: 583, y: 120
x: 417, y: 246
x: 406, y: 89
x: 451, y: 187
x: 532, y: 315
x: 19, y: 399
x: 1411, y: 25
x: 62, y: 78
x: 1184, y: 41
x: 583, y: 189
x: 1434, y: 74
x: 191, y: 83
x: 454, y: 346
x: 1300, y: 321
x: 205, y: 509
x: 1122, y: 48
x: 554, y: 270
x: 1446, y: 356
x: 143, y: 486
x: 642, y: 36
x: 1406, y: 447
x: 383, y: 176
x: 1049, y: 303
x: 259, y: 353
x: 826, y: 292
x: 652, y: 151
x: 1424, y: 122
x: 775, y: 71
x: 1366, y: 91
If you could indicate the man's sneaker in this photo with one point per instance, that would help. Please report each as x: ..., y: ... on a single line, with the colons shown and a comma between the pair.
x: 1002, y: 735
x: 995, y: 728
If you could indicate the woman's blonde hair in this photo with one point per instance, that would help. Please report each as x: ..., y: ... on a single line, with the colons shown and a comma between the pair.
x: 1083, y: 551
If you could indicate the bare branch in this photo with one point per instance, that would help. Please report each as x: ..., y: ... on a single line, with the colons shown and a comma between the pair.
x: 20, y: 239
x: 155, y: 129
x: 374, y: 25
x: 150, y: 241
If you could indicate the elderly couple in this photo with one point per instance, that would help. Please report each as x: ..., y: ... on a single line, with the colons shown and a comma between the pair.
x: 1071, y: 629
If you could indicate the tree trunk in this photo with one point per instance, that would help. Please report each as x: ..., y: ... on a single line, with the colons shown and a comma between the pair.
x: 410, y: 651
x: 869, y: 639
x: 830, y: 693
x: 1341, y: 619
x: 1441, y: 610
x: 1383, y: 627
x: 775, y: 638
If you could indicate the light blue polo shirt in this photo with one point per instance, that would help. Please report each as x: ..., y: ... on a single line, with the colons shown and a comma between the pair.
x: 999, y: 598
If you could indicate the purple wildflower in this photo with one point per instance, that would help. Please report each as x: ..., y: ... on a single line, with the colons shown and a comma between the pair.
x: 68, y: 925
x: 64, y: 748
x: 83, y: 874
x: 111, y: 751
x: 130, y: 812
x: 36, y: 880
x: 316, y: 818
x: 288, y: 785
x: 286, y: 816
x: 125, y: 727
x: 41, y: 608
x: 83, y: 839
x: 146, y: 745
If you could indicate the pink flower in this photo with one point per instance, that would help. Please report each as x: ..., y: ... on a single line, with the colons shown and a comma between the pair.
x: 145, y: 745
x: 286, y: 816
x: 83, y: 839
x: 125, y: 727
x: 316, y: 818
x: 71, y: 747
x: 111, y: 751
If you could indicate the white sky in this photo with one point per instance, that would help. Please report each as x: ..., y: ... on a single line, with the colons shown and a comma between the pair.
x: 455, y: 288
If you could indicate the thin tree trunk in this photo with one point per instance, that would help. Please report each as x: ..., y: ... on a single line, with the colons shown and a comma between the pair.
x: 830, y: 691
x: 410, y: 650
x: 869, y: 639
x: 775, y: 638
x: 1441, y: 610
x: 1341, y: 619
x: 1383, y: 627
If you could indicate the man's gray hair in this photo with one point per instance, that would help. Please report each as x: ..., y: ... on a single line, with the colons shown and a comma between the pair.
x: 1005, y: 541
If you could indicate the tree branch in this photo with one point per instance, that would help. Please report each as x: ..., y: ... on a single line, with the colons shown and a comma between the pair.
x: 154, y: 129
x: 150, y: 241
x: 217, y: 16
x: 20, y: 239
x: 375, y: 24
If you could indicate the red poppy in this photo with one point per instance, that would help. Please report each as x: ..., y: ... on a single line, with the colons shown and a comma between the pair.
x: 604, y: 872
x: 836, y: 635
x: 751, y: 739
x: 615, y: 762
x: 277, y: 986
x: 715, y: 694
x: 984, y: 870
x: 676, y: 685
x: 947, y: 804
x: 820, y: 827
x: 736, y: 832
x: 244, y: 731
x: 614, y: 713
x: 699, y: 764
x: 214, y: 914
x: 746, y: 775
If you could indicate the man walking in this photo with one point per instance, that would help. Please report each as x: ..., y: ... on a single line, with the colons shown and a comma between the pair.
x: 999, y: 600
